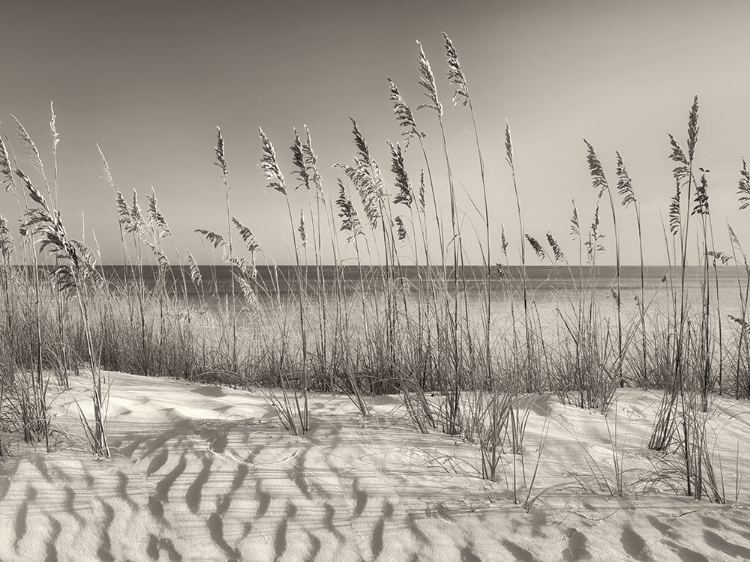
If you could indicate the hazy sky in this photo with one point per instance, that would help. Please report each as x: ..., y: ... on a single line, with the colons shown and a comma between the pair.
x: 149, y: 81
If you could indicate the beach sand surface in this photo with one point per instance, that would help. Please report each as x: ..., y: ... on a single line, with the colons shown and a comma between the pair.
x: 202, y: 472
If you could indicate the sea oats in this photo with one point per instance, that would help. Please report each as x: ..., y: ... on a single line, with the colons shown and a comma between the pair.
x: 624, y: 183
x: 427, y: 81
x: 693, y: 129
x: 361, y: 178
x: 455, y: 74
x: 404, y: 115
x: 743, y: 189
x: 721, y: 256
x: 595, y: 224
x: 161, y: 257
x: 195, y: 272
x: 736, y: 245
x: 366, y: 178
x: 677, y: 155
x: 508, y: 146
x: 598, y: 178
x: 219, y: 151
x: 246, y: 268
x: 215, y: 239
x: 155, y: 216
x: 246, y: 288
x: 311, y: 164
x: 592, y: 244
x: 53, y: 126
x: 536, y: 246
x: 6, y: 175
x: 87, y: 258
x: 34, y: 193
x: 421, y: 192
x: 31, y: 150
x: 46, y: 223
x: 247, y: 236
x: 350, y: 220
x: 6, y: 239
x: 361, y: 144
x: 599, y: 181
x: 298, y: 159
x: 301, y: 229
x: 105, y: 169
x: 675, y: 219
x: 558, y: 253
x: 401, y: 229
x: 700, y: 200
x: 405, y: 194
x: 575, y: 225
x: 270, y: 165
x: 137, y: 222
x: 123, y: 211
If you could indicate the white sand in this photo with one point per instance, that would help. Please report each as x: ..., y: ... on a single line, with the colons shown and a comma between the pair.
x: 208, y: 473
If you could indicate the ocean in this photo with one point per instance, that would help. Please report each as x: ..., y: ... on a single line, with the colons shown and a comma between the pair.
x: 547, y: 286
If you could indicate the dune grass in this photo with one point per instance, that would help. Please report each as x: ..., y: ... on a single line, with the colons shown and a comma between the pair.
x: 405, y: 318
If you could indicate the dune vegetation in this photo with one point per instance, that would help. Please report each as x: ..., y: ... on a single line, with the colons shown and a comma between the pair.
x: 462, y: 344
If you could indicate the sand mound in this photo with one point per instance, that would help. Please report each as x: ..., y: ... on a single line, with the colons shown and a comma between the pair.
x: 208, y: 473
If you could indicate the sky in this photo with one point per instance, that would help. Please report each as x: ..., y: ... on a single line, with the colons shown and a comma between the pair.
x: 149, y: 82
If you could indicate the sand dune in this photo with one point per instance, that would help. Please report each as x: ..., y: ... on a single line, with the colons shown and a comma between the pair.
x: 208, y: 473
